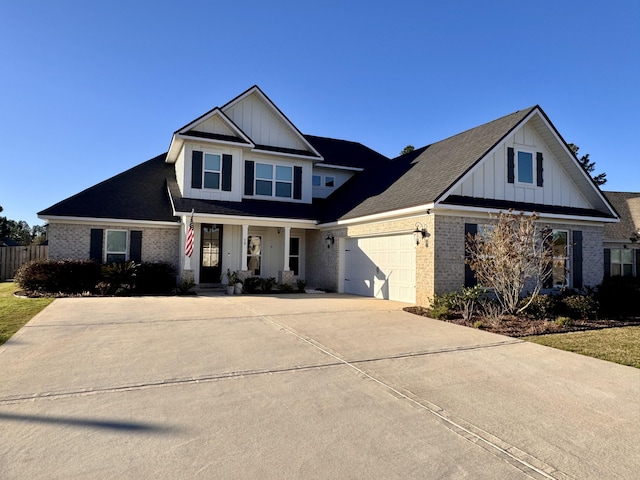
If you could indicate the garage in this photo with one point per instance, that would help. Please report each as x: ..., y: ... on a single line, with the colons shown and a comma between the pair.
x: 382, y: 267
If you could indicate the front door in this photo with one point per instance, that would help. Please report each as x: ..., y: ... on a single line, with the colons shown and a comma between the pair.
x: 211, y: 256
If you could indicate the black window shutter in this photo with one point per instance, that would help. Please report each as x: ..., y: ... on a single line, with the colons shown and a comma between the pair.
x: 637, y: 253
x: 135, y: 249
x: 547, y: 239
x: 196, y: 169
x: 249, y: 166
x: 95, y: 249
x: 297, y: 183
x: 470, y: 280
x: 607, y: 262
x: 511, y: 165
x: 577, y: 259
x: 539, y: 169
x: 227, y: 164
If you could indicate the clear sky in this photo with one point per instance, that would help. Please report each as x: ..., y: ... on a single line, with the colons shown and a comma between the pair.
x: 89, y: 89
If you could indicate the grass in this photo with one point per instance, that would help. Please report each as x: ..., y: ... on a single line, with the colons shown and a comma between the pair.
x: 15, y: 312
x: 619, y: 345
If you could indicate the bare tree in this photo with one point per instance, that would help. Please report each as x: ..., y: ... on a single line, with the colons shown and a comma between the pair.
x: 509, y: 256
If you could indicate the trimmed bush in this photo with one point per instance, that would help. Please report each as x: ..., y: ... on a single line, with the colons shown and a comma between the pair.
x: 59, y: 276
x: 618, y: 297
x: 579, y: 307
x: 155, y: 278
x: 542, y: 307
x: 252, y: 284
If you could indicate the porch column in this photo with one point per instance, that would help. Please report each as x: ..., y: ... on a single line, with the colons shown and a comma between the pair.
x: 287, y: 236
x: 243, y: 248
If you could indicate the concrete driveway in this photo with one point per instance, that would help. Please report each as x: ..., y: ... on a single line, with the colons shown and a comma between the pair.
x: 301, y: 386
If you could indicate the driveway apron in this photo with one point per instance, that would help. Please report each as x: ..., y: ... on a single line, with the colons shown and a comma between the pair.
x: 301, y: 386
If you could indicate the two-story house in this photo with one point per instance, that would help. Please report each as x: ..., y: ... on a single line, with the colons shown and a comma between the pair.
x: 266, y: 200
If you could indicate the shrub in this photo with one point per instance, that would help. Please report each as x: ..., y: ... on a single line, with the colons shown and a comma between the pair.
x: 154, y: 278
x: 285, y: 288
x: 446, y: 300
x: 579, y: 306
x: 440, y: 312
x: 301, y: 285
x: 617, y: 297
x: 58, y: 276
x: 121, y: 277
x: 185, y: 285
x: 252, y: 284
x: 564, y: 321
x: 467, y: 300
x: 268, y: 283
x: 541, y: 307
x: 491, y: 311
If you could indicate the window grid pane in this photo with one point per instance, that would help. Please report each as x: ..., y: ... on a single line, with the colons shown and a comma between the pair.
x: 212, y: 180
x: 263, y: 187
x: 264, y: 171
x: 283, y: 190
x: 211, y: 162
x: 284, y: 173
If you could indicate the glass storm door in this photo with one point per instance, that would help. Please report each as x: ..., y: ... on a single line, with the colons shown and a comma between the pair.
x: 211, y: 254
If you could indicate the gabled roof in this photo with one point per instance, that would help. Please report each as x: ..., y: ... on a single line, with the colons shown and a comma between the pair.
x: 627, y: 204
x: 345, y: 153
x: 422, y: 176
x: 139, y: 193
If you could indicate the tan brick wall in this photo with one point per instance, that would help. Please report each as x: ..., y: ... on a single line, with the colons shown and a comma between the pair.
x: 321, y: 263
x: 72, y: 241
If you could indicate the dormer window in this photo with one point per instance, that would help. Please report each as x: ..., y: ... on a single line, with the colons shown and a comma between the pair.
x: 525, y: 167
x: 211, y: 171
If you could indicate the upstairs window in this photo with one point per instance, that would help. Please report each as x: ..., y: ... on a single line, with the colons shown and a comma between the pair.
x: 274, y: 180
x: 317, y: 180
x: 525, y: 167
x: 329, y: 182
x: 212, y: 171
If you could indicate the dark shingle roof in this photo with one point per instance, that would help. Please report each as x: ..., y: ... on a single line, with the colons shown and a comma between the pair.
x: 345, y: 153
x: 139, y: 193
x: 627, y: 204
x: 422, y: 176
x: 248, y: 207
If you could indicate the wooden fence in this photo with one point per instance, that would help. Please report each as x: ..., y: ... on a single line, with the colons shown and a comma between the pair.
x: 11, y: 258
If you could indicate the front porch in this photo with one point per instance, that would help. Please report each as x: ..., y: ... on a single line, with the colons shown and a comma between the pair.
x: 258, y: 249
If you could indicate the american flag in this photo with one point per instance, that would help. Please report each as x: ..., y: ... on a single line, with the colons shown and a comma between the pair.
x: 188, y: 247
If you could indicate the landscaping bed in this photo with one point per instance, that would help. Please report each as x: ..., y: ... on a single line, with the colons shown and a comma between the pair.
x: 514, y: 326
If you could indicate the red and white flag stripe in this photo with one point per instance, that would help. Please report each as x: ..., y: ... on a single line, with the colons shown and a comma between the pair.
x: 188, y: 247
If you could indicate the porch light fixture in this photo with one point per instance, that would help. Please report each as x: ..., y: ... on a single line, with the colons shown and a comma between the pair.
x: 420, y: 233
x: 330, y: 240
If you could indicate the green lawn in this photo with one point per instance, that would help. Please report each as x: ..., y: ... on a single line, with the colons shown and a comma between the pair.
x: 619, y: 345
x: 15, y: 312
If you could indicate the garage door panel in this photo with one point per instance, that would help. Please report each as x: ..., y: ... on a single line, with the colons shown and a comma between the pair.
x: 383, y: 267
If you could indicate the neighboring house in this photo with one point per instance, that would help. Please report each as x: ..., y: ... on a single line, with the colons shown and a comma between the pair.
x: 622, y: 240
x: 267, y: 200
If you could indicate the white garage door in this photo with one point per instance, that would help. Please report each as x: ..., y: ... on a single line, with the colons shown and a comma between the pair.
x: 381, y: 267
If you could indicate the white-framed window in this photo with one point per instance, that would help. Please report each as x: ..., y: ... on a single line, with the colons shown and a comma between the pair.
x: 254, y: 254
x: 294, y: 255
x: 560, y: 248
x: 274, y: 180
x: 116, y: 243
x: 621, y: 262
x: 525, y: 167
x: 329, y: 181
x: 212, y: 171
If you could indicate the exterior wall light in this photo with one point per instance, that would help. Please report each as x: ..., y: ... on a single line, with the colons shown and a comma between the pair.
x: 420, y: 233
x: 330, y: 240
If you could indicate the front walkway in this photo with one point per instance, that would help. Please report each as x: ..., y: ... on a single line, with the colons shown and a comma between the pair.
x: 301, y: 386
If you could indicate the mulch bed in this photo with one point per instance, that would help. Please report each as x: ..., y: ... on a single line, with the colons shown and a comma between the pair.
x: 512, y: 326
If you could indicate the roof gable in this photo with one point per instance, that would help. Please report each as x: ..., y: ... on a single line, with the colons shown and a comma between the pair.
x: 564, y: 181
x: 269, y: 129
x: 627, y: 204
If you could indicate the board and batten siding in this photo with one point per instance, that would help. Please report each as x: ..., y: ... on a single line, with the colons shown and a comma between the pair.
x: 262, y: 125
x: 488, y: 179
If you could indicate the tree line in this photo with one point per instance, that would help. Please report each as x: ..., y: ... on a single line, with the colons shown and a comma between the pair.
x: 20, y: 232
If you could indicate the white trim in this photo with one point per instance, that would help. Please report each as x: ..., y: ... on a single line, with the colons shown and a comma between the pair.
x: 381, y: 216
x: 119, y: 221
x: 339, y: 167
x: 193, y: 138
x: 284, y: 154
x: 489, y: 211
x: 253, y: 221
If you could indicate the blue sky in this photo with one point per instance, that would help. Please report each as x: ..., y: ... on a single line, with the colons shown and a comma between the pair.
x: 90, y: 89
